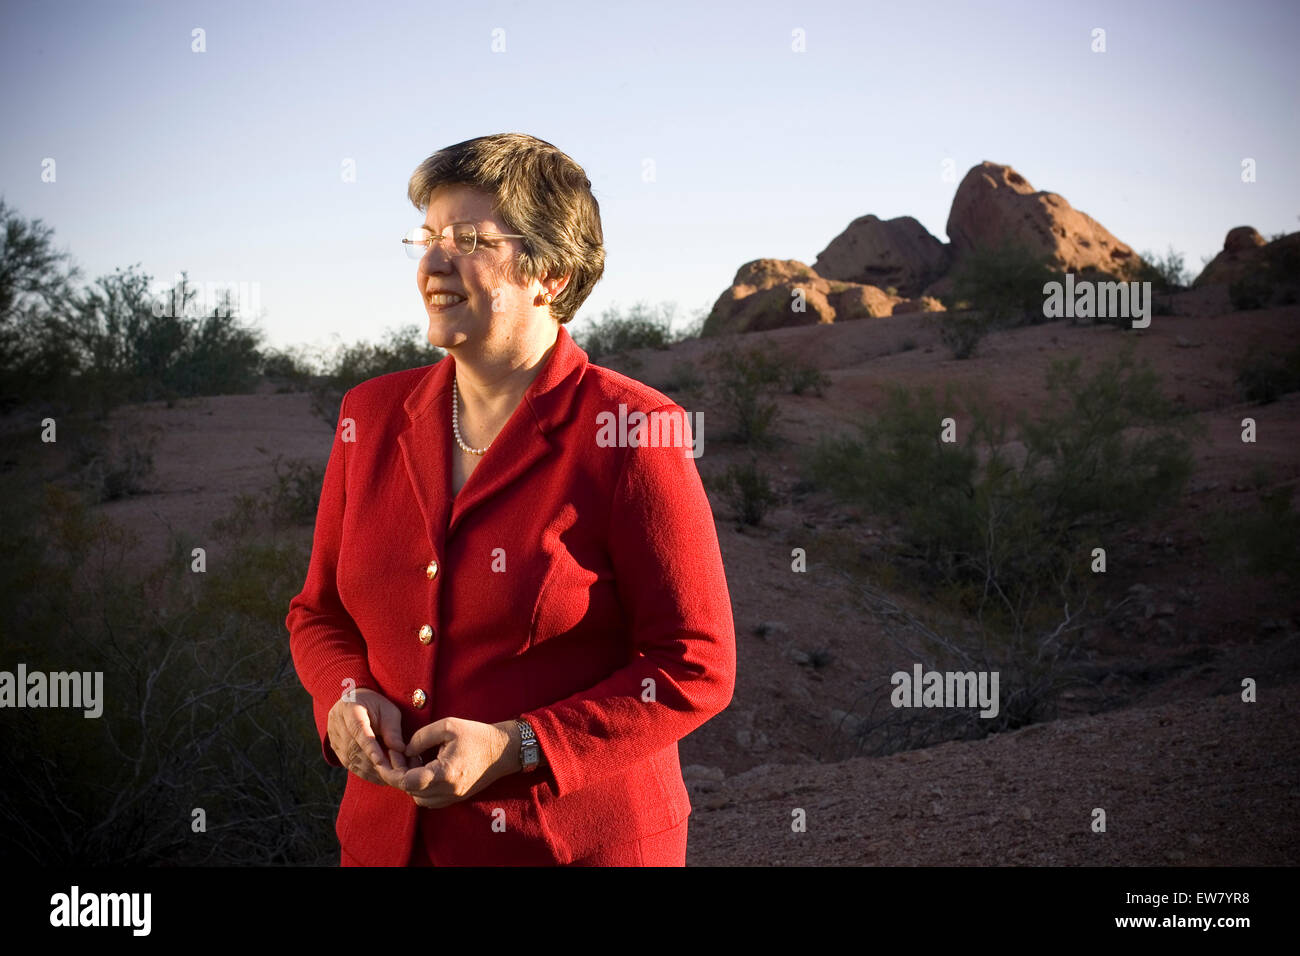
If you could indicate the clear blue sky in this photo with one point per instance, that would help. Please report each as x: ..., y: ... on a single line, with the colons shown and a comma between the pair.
x: 227, y: 163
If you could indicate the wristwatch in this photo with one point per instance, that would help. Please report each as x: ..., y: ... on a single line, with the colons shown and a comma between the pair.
x: 529, y: 753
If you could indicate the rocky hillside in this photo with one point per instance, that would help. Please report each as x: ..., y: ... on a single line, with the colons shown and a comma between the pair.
x: 881, y: 267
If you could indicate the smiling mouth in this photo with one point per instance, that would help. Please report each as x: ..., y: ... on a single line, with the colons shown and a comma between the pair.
x: 444, y: 301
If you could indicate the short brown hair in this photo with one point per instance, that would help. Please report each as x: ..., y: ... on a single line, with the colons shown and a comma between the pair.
x: 539, y: 192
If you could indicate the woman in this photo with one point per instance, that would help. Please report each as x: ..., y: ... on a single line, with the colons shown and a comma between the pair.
x: 507, y: 625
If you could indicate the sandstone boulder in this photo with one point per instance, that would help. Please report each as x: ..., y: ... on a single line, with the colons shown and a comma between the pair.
x: 1243, y: 239
x: 1246, y: 253
x: 763, y: 296
x: 884, y: 253
x: 924, y: 303
x: 995, y: 205
x: 851, y: 300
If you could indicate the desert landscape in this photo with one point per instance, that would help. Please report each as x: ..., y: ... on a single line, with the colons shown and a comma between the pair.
x: 1147, y: 720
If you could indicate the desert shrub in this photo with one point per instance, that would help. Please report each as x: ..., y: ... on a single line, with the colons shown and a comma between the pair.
x: 98, y: 346
x: 802, y: 377
x: 748, y: 490
x: 296, y: 493
x: 37, y: 359
x: 1282, y: 261
x: 1263, y: 378
x: 820, y: 657
x: 290, y: 500
x: 897, y: 466
x: 692, y: 327
x: 1166, y: 273
x: 962, y: 332
x: 684, y: 377
x: 1249, y: 291
x: 287, y: 369
x: 642, y: 327
x: 346, y: 366
x: 1003, y: 283
x: 1264, y: 540
x: 201, y: 708
x: 1004, y: 537
x: 1274, y: 279
x: 743, y: 383
x: 111, y: 463
x: 129, y: 353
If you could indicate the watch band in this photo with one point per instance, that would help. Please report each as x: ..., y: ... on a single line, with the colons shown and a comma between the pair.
x: 529, y: 752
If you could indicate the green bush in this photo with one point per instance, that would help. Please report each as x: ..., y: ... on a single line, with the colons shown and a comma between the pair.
x: 999, y: 535
x: 1264, y: 379
x: 1167, y: 273
x: 684, y: 377
x: 642, y: 328
x: 37, y: 358
x: 127, y: 353
x: 801, y: 377
x: 287, y: 369
x: 296, y: 493
x: 1249, y: 292
x: 1003, y: 283
x: 962, y: 332
x: 743, y: 383
x: 346, y: 366
x: 290, y: 500
x: 748, y: 490
x: 1004, y: 536
x: 111, y: 463
x: 201, y: 707
x: 1266, y: 540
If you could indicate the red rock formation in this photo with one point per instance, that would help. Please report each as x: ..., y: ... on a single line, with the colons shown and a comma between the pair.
x: 995, y: 205
x: 898, y: 253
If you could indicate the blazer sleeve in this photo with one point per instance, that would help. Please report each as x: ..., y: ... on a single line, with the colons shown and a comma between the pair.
x: 668, y: 568
x: 326, y: 644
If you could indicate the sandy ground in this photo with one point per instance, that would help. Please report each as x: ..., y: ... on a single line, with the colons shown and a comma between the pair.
x: 1158, y: 736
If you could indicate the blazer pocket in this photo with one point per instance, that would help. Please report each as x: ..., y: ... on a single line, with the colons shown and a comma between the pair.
x: 569, y: 581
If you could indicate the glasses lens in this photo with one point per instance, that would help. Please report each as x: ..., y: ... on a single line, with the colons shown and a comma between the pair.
x: 465, y: 236
x: 416, y: 242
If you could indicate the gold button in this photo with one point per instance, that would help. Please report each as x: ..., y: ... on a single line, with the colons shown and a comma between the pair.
x: 431, y: 570
x: 426, y: 634
x: 418, y: 698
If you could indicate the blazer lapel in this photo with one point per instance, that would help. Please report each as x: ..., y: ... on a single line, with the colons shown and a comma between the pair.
x: 423, y: 444
x: 524, y: 440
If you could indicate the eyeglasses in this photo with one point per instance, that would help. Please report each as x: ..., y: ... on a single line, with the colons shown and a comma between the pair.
x: 464, y: 239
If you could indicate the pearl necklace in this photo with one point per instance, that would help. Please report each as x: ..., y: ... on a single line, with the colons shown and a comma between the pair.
x: 455, y: 422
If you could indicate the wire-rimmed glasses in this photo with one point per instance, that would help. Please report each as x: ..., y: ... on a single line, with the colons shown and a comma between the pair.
x: 463, y: 235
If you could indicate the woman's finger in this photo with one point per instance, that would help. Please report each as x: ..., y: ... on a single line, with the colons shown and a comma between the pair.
x: 421, y: 780
x: 393, y: 774
x: 364, y: 737
x: 429, y: 736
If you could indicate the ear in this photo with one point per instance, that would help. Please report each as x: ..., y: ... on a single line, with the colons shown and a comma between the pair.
x: 560, y: 286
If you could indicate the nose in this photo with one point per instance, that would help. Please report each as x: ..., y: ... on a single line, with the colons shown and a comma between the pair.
x: 435, y: 261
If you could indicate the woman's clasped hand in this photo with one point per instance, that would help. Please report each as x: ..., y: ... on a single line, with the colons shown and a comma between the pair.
x: 366, y: 734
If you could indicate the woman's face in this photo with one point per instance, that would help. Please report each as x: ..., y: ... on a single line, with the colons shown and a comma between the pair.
x: 494, y: 305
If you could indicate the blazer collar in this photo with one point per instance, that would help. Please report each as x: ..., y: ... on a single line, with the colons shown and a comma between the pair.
x: 549, y: 396
x: 427, y: 440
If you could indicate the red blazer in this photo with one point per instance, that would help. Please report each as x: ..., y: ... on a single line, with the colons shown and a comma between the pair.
x: 566, y: 577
